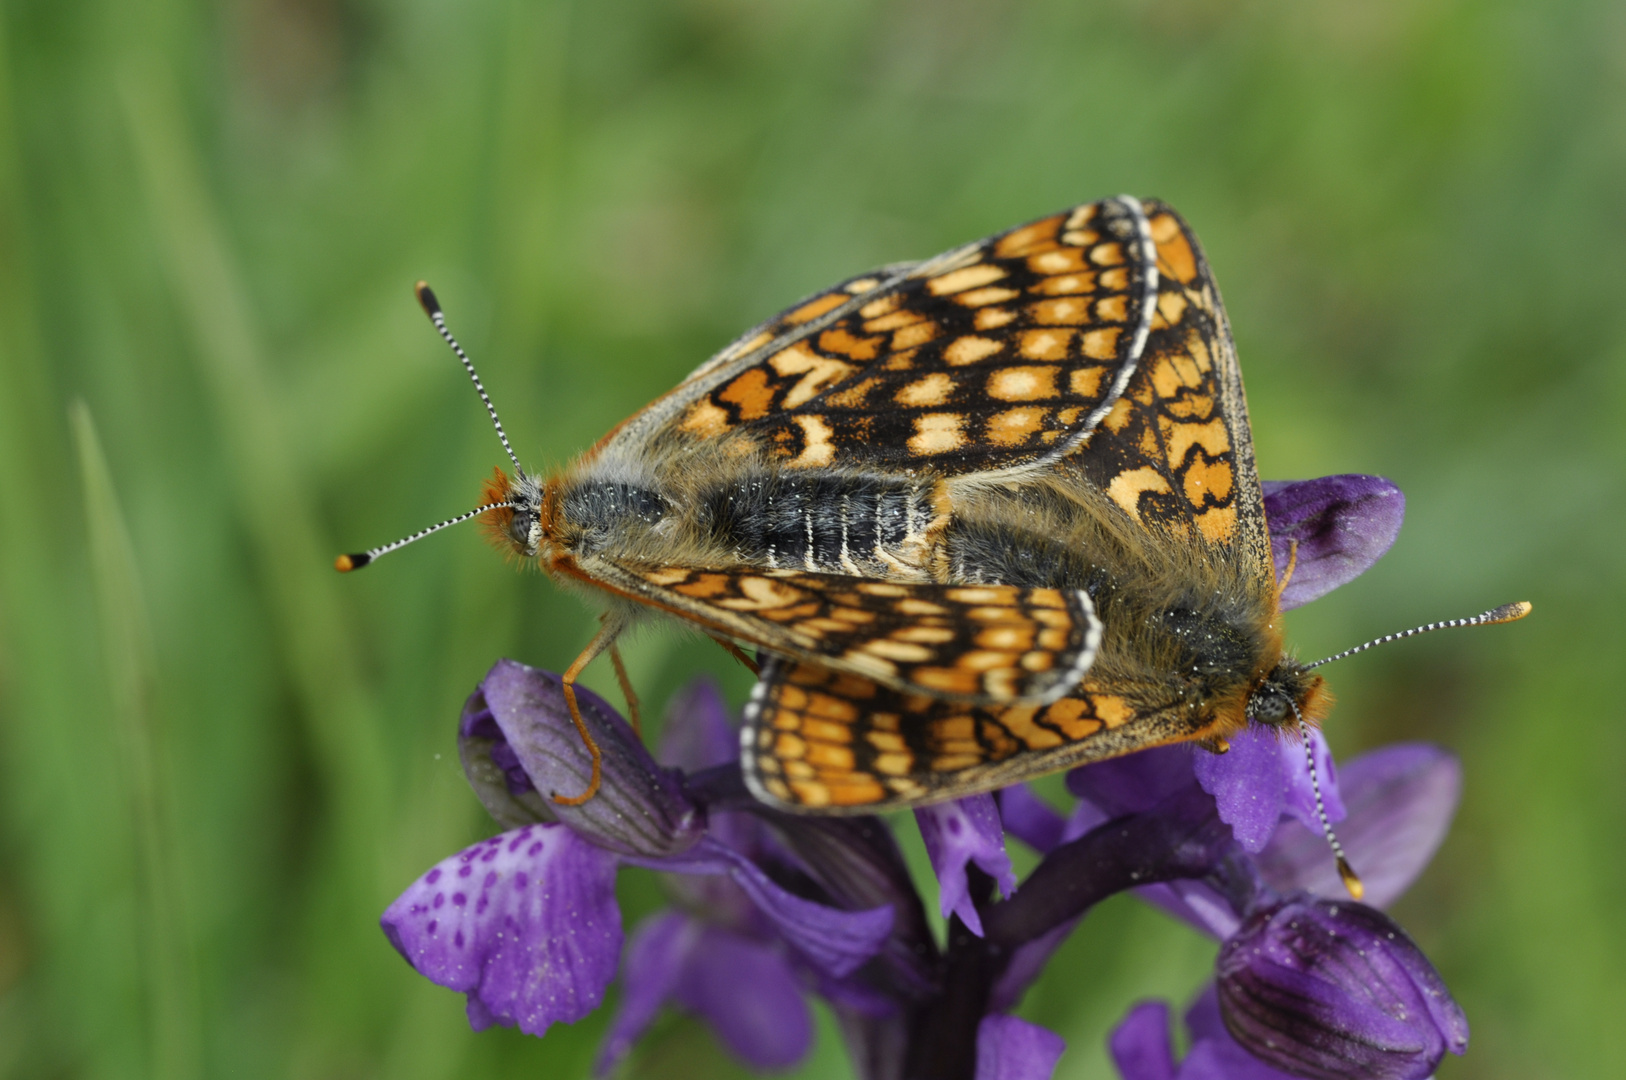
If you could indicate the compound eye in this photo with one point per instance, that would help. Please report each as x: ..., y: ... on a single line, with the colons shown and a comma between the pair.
x: 1270, y: 706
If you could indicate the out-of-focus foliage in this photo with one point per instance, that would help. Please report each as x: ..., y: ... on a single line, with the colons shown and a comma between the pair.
x: 219, y: 760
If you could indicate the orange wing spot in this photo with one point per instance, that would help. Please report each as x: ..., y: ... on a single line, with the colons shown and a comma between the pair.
x: 1128, y: 486
x: 1082, y: 238
x: 970, y: 349
x: 994, y: 294
x: 1212, y: 437
x: 1083, y: 215
x: 862, y: 285
x: 751, y: 392
x: 789, y: 747
x: 1119, y: 416
x: 853, y: 397
x: 952, y: 729
x: 706, y: 586
x: 904, y: 652
x: 946, y: 681
x: 882, y: 588
x: 1111, y: 254
x: 1217, y: 525
x: 1191, y: 407
x: 914, y: 335
x: 1165, y: 379
x: 948, y: 763
x: 1116, y: 279
x: 1013, y: 427
x: 992, y: 318
x: 893, y: 321
x: 971, y: 594
x: 885, y: 740
x: 1022, y: 384
x: 840, y: 341
x: 817, y: 449
x: 1073, y: 724
x: 968, y: 277
x: 1187, y: 369
x: 705, y: 419
x: 853, y: 616
x: 1102, y: 344
x: 818, y: 373
x: 1205, y: 478
x: 1066, y: 418
x: 914, y: 605
x: 1085, y: 383
x: 1064, y: 285
x: 1111, y: 709
x: 1068, y: 310
x: 825, y: 756
x: 814, y: 308
x: 1024, y: 240
x: 1198, y: 350
x: 933, y: 389
x: 1008, y: 638
x: 1174, y: 254
x: 925, y: 635
x: 1060, y: 261
x: 1171, y: 308
x: 1019, y: 722
x: 904, y: 361
x: 1112, y: 308
x: 893, y: 764
x: 937, y: 433
x: 883, y: 306
x: 667, y: 576
x: 1045, y: 344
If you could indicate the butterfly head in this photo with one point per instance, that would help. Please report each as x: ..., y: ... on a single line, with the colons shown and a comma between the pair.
x: 1290, y: 692
x: 519, y: 518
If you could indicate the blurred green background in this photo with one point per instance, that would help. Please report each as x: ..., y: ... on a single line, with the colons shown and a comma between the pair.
x: 219, y: 760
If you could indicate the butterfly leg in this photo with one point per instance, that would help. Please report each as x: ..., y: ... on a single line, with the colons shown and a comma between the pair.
x: 1292, y: 564
x: 604, y: 639
x: 739, y: 654
x: 626, y: 689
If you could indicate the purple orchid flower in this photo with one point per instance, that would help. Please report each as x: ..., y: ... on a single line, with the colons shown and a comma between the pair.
x: 770, y: 908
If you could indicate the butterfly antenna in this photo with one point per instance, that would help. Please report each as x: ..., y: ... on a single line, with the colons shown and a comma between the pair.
x: 431, y: 307
x: 1352, y: 880
x: 345, y: 563
x: 1505, y: 613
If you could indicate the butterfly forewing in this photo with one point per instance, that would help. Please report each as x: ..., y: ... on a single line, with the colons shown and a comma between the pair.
x: 997, y: 355
x: 987, y: 644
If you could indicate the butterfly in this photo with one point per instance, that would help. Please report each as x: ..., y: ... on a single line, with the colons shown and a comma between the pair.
x: 983, y: 517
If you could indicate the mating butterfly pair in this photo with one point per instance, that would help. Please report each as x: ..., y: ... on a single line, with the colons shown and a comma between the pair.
x: 984, y: 517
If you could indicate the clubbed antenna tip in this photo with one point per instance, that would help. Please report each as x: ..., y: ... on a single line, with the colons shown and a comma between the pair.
x: 426, y: 297
x: 346, y: 563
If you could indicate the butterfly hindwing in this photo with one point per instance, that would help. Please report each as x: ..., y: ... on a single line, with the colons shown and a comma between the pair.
x: 819, y: 740
x: 987, y: 644
x: 997, y: 355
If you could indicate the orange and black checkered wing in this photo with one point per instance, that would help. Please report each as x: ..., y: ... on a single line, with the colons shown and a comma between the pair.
x: 1175, y: 450
x: 997, y: 355
x: 817, y: 740
x: 976, y: 644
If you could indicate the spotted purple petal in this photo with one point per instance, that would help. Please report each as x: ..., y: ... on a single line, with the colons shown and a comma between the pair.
x: 1328, y: 989
x: 1262, y: 775
x: 1400, y: 798
x: 640, y: 808
x: 834, y: 941
x: 525, y: 924
x: 1342, y: 524
x: 1009, y: 1048
x: 750, y: 995
x: 957, y: 833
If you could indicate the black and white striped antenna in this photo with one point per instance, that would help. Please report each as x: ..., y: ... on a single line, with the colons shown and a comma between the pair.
x: 1505, y: 613
x: 431, y: 307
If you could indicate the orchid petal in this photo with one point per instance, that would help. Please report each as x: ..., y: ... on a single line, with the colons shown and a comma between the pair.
x: 957, y: 833
x: 1342, y: 525
x: 651, y: 965
x: 1009, y: 1048
x: 750, y: 995
x: 525, y: 923
x: 1401, y: 799
x: 1140, y: 1043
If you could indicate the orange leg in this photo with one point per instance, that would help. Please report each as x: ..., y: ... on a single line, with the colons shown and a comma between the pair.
x: 739, y: 654
x: 1292, y: 564
x: 626, y: 689
x: 602, y: 640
